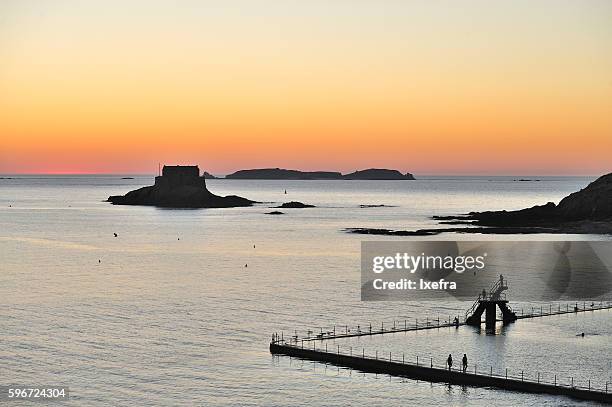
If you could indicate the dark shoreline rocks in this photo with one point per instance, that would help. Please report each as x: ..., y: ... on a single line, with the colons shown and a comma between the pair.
x: 284, y: 174
x: 179, y: 187
x: 588, y: 211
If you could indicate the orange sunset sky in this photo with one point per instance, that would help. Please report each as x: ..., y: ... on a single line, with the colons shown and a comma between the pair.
x: 430, y: 87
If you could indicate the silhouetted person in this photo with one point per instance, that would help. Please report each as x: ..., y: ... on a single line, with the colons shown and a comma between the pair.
x: 465, y: 363
x: 456, y: 322
x: 484, y: 294
x: 449, y: 362
x: 246, y: 265
x: 576, y: 307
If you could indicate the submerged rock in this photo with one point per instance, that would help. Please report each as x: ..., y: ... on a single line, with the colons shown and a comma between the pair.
x: 179, y: 187
x: 275, y: 213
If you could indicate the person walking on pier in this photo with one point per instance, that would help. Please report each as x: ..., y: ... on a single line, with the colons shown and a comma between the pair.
x: 465, y: 363
x: 449, y: 361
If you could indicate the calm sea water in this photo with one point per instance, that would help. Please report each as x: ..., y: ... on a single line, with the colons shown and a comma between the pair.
x: 167, y: 313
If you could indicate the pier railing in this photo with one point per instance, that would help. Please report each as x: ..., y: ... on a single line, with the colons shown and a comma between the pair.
x: 440, y: 321
x: 561, y: 380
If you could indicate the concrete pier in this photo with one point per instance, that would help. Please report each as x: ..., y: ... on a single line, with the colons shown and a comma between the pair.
x: 436, y: 374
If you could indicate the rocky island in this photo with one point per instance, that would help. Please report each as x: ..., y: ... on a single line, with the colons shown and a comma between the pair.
x: 179, y: 187
x: 280, y: 173
x: 378, y: 174
x: 588, y: 211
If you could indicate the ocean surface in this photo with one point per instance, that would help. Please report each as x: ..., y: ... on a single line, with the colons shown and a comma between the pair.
x: 179, y: 308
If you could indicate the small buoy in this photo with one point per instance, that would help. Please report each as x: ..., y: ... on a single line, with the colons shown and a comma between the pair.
x: 99, y: 261
x: 583, y: 334
x: 253, y: 246
x: 246, y: 265
x: 178, y: 238
x: 115, y: 234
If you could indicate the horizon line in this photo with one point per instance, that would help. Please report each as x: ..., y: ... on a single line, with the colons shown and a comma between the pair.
x: 439, y: 174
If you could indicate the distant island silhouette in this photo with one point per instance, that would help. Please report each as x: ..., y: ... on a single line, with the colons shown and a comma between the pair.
x: 588, y: 211
x: 179, y: 187
x: 295, y: 205
x: 280, y: 173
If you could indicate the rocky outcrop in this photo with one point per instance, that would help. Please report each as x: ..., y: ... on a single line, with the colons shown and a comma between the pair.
x: 588, y: 211
x: 179, y: 187
x: 593, y: 203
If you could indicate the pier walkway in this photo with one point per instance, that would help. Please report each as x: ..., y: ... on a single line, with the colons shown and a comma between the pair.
x: 387, y: 364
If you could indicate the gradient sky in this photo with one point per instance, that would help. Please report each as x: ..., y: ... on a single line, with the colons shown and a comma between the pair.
x: 455, y: 87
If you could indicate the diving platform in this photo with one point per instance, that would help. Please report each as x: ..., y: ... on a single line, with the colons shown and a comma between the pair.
x: 487, y: 303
